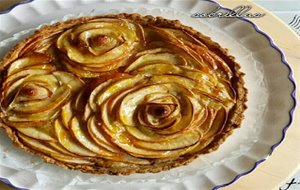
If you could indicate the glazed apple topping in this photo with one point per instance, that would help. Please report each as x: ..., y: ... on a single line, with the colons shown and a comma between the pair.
x: 99, y: 45
x: 120, y: 91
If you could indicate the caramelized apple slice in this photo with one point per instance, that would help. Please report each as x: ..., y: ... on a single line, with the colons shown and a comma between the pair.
x: 184, y: 140
x: 59, y: 148
x: 68, y: 79
x: 67, y: 141
x: 37, y: 70
x: 81, y: 73
x: 95, y: 132
x: 37, y: 145
x: 117, y: 87
x: 95, y: 93
x: 218, y: 124
x: 158, y: 69
x: 34, y: 59
x: 81, y: 134
x: 45, y: 132
x: 202, y: 145
x: 35, y: 118
x: 155, y: 58
x: 66, y: 114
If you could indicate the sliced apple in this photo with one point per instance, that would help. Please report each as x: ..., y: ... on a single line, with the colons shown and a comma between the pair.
x: 95, y: 132
x: 39, y: 146
x: 95, y: 92
x: 81, y: 73
x: 45, y: 132
x: 158, y: 69
x: 34, y: 59
x: 157, y: 58
x: 182, y: 141
x: 117, y: 87
x: 202, y: 145
x: 69, y: 79
x: 81, y: 133
x: 67, y: 114
x: 11, y: 89
x: 218, y: 124
x: 55, y: 145
x: 80, y: 101
x: 67, y: 141
x: 37, y: 117
x: 38, y: 70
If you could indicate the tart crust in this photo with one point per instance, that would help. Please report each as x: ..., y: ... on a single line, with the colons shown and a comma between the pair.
x: 235, y: 117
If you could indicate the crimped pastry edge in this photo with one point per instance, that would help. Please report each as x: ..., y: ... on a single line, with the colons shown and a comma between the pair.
x: 235, y: 118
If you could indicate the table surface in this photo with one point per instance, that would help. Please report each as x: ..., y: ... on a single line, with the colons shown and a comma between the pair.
x: 285, y: 161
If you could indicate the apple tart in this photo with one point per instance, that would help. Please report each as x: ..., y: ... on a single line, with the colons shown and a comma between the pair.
x: 120, y: 94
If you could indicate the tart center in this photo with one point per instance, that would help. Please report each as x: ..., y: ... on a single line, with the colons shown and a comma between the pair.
x: 28, y: 91
x: 31, y: 91
x: 101, y: 40
x: 159, y: 111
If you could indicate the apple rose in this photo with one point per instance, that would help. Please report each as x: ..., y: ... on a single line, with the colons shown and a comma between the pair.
x: 130, y: 118
x: 98, y: 46
x: 33, y: 93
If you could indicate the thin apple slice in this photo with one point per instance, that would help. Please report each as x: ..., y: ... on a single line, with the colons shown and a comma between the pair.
x: 37, y: 117
x: 72, y: 159
x: 67, y: 141
x: 39, y: 146
x: 87, y: 112
x: 80, y: 101
x: 95, y: 132
x: 81, y: 73
x: 45, y: 132
x: 81, y: 134
x: 117, y: 87
x: 158, y: 69
x: 206, y: 125
x: 34, y: 59
x: 182, y: 141
x: 11, y: 89
x: 202, y: 145
x: 67, y: 114
x: 55, y: 145
x: 218, y: 124
x: 69, y: 79
x: 38, y: 70
x: 95, y: 93
x: 158, y: 58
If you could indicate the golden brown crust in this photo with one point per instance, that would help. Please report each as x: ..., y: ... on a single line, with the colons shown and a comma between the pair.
x: 235, y: 116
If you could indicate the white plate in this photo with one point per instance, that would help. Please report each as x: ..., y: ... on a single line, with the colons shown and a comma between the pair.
x: 268, y: 79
